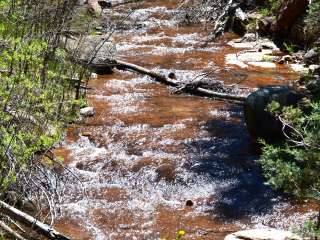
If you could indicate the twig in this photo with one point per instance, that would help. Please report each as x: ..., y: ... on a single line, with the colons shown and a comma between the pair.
x: 301, y: 143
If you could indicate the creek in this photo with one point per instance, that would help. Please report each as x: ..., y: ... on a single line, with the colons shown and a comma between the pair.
x: 153, y: 162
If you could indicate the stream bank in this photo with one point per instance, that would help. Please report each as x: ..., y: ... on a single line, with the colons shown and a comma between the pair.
x: 153, y: 162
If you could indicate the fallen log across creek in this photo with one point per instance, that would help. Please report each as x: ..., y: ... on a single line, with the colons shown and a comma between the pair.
x: 29, y: 221
x: 121, y: 65
x: 108, y: 4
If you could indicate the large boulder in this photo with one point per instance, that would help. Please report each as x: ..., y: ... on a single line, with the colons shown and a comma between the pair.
x: 95, y: 50
x: 260, y: 122
x: 166, y: 171
x: 262, y: 234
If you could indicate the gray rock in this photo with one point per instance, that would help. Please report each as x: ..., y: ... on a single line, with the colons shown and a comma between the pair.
x: 314, y: 68
x: 311, y: 56
x: 249, y: 37
x: 263, y: 234
x: 96, y: 50
x: 261, y: 123
x: 317, y: 43
x: 87, y: 111
x: 314, y: 85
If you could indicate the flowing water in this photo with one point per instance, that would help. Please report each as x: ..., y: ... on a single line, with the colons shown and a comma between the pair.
x: 153, y: 162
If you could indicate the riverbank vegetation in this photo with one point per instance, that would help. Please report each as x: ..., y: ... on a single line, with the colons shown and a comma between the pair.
x: 293, y: 164
x: 40, y: 91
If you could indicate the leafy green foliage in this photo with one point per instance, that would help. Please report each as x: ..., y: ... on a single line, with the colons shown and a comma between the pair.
x: 289, y: 47
x: 270, y: 7
x: 294, y: 165
x: 36, y: 91
x: 275, y: 5
x: 313, y: 19
x: 264, y: 11
x: 310, y: 230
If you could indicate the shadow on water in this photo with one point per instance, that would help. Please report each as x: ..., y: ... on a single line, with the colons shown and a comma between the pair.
x: 230, y: 156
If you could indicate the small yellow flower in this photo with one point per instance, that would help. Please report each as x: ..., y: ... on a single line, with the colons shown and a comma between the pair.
x: 181, y: 233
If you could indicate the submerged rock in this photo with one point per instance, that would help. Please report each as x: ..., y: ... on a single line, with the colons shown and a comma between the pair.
x: 189, y: 203
x: 260, y: 122
x: 263, y: 234
x: 166, y: 171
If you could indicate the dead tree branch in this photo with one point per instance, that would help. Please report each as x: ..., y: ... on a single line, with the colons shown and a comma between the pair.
x: 121, y: 65
x: 31, y: 222
x: 11, y: 231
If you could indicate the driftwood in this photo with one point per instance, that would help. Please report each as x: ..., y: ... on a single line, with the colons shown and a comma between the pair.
x: 121, y: 65
x: 10, y: 231
x: 31, y: 222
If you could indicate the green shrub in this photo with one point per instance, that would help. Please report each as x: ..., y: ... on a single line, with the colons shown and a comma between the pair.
x: 290, y: 48
x: 36, y: 90
x: 313, y: 20
x: 264, y: 11
x: 294, y: 165
x: 275, y: 5
x: 310, y: 230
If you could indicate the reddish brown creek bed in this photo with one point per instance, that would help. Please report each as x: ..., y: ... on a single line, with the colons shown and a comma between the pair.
x: 147, y: 151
